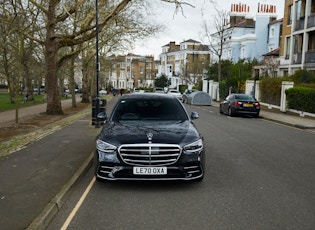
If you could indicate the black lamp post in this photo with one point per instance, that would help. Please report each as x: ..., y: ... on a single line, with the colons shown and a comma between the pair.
x: 97, y: 69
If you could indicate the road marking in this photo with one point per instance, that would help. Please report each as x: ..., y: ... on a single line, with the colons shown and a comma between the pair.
x: 78, y: 205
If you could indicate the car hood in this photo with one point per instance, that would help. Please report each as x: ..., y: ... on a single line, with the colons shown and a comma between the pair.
x: 167, y: 132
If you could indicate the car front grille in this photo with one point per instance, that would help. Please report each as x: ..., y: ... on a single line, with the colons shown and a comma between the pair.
x: 149, y: 154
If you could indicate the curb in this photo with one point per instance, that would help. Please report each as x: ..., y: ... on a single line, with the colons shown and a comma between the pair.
x: 287, y: 123
x: 52, y: 208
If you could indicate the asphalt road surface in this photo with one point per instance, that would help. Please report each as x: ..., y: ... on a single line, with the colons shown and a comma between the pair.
x: 259, y: 175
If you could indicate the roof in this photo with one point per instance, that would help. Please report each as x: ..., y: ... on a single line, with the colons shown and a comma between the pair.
x: 274, y: 52
x: 190, y: 41
x: 276, y: 21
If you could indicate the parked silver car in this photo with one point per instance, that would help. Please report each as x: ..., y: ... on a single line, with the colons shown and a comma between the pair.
x: 176, y: 93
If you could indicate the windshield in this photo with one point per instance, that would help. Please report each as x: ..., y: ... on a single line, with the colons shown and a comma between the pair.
x: 149, y: 109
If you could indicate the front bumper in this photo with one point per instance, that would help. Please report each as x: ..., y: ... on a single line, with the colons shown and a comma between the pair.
x: 186, y: 168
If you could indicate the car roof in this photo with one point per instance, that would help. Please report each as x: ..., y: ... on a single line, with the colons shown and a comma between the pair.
x: 147, y: 96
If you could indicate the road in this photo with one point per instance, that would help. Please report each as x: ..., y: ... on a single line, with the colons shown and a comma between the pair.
x: 259, y: 175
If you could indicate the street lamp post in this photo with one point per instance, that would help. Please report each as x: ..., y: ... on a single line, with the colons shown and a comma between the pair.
x: 97, y: 69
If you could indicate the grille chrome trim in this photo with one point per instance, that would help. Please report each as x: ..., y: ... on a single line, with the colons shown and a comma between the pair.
x: 149, y: 154
x: 106, y: 169
x: 192, y: 169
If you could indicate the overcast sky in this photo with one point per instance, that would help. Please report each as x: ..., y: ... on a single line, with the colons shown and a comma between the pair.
x: 180, y: 28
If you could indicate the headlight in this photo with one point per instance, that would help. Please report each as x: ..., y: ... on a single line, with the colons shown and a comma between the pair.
x: 193, y: 147
x: 104, y: 146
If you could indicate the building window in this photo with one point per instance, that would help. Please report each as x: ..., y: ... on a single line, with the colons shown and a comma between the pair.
x: 298, y: 10
x: 311, y: 42
x: 272, y: 32
x: 313, y: 6
x: 290, y: 15
x: 243, y: 52
x: 287, y: 47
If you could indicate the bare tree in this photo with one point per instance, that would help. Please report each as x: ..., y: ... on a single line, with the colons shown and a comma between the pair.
x: 61, y: 24
x: 270, y: 65
x: 17, y: 49
x: 218, y: 39
x: 58, y: 15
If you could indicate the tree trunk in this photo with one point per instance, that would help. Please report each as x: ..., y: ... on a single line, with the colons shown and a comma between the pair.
x: 219, y: 69
x: 72, y: 82
x: 53, y: 96
x: 85, y: 82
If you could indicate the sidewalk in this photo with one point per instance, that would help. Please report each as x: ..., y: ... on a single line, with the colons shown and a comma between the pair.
x: 292, y: 120
x: 35, y: 180
x: 9, y: 116
x: 283, y: 118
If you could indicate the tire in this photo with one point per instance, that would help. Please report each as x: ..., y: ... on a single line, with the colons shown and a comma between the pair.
x: 230, y: 112
x: 220, y: 110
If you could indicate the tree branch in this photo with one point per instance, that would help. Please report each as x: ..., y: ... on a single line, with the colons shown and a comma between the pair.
x: 42, y: 8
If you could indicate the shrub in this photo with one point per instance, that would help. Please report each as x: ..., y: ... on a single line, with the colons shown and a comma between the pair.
x: 303, y: 76
x: 270, y: 89
x: 223, y: 89
x: 301, y: 98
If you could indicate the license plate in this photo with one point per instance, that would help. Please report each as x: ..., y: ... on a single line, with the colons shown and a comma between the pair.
x: 248, y: 105
x: 149, y: 170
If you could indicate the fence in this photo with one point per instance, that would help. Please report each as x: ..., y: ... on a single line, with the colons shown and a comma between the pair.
x: 252, y: 88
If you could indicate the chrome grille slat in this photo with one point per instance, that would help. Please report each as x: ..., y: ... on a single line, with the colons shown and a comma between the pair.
x: 149, y: 154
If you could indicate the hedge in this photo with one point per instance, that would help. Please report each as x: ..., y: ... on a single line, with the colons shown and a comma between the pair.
x: 301, y: 98
x: 270, y: 89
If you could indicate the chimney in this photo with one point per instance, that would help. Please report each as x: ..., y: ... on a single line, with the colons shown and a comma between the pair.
x: 238, y: 13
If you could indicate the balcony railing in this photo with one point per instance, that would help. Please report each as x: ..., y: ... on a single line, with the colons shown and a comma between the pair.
x: 310, y: 56
x: 311, y: 21
x: 297, y: 58
x: 299, y: 24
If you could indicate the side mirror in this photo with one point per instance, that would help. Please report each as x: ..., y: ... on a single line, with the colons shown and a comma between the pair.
x: 102, y: 116
x: 194, y: 115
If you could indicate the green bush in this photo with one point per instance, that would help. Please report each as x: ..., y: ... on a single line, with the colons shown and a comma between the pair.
x: 182, y: 88
x: 303, y: 76
x: 301, y: 98
x: 223, y: 89
x: 270, y: 89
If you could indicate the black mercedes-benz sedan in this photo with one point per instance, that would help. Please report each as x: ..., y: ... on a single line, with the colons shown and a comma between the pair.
x: 149, y: 137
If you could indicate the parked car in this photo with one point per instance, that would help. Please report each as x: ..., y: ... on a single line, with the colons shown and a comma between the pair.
x: 186, y: 93
x: 176, y: 93
x: 158, y: 90
x: 102, y: 91
x: 149, y: 137
x: 239, y: 104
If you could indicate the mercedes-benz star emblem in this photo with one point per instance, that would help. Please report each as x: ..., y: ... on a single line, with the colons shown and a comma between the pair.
x: 149, y: 135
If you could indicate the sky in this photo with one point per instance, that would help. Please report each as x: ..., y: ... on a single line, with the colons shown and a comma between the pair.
x: 181, y: 27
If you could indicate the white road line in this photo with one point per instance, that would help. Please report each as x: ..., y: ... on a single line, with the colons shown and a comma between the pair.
x: 78, y: 205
